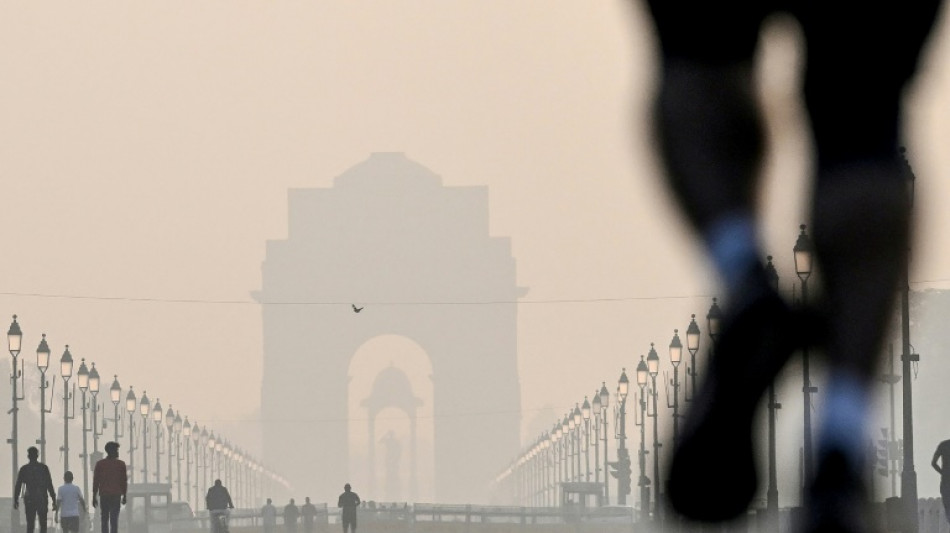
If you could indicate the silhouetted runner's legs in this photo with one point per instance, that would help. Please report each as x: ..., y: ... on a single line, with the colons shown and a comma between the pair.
x: 709, y: 129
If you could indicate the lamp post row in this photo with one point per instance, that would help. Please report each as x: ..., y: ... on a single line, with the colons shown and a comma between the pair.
x: 559, y: 449
x: 234, y: 466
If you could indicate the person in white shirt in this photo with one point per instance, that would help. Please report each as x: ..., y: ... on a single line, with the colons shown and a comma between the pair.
x: 69, y: 504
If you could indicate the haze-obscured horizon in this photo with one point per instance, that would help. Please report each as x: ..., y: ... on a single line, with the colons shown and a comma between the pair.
x: 147, y: 151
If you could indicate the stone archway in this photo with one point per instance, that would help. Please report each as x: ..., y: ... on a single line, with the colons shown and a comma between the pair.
x: 418, y: 258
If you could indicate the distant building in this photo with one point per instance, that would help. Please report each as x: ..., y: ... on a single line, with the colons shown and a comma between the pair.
x: 416, y: 259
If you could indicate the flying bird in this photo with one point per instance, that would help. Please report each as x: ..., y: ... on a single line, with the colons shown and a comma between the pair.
x: 356, y: 309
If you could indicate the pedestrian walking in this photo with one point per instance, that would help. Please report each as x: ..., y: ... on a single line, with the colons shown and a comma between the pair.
x: 70, y: 504
x: 308, y: 512
x: 348, y: 503
x: 941, y: 463
x: 34, y: 477
x: 269, y: 516
x: 109, y: 486
x: 291, y: 513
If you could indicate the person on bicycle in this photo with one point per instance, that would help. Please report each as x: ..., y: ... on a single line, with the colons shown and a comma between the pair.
x: 218, y: 501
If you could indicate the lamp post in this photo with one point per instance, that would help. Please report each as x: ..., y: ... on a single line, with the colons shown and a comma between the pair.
x: 211, y: 457
x: 169, y: 428
x: 178, y: 426
x: 208, y: 440
x: 552, y: 490
x: 908, y: 472
x: 676, y: 355
x: 14, y: 344
x: 145, y: 407
x: 130, y: 406
x: 595, y: 426
x: 197, y: 434
x: 771, y: 494
x: 692, y: 346
x: 803, y: 252
x: 219, y: 458
x: 82, y: 379
x: 42, y: 362
x: 227, y: 462
x: 186, y: 433
x: 115, y: 395
x: 566, y: 450
x: 585, y: 414
x: 653, y: 366
x: 66, y: 369
x: 576, y: 419
x: 555, y: 434
x: 604, y: 402
x: 157, y: 418
x: 623, y: 456
x: 644, y: 482
x: 94, y: 383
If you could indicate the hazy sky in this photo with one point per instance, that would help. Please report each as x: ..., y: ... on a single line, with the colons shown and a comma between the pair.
x: 146, y: 151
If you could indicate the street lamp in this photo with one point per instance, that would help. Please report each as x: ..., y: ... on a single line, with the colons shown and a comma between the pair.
x: 66, y: 369
x: 569, y: 431
x: 177, y: 427
x: 653, y: 366
x: 169, y: 429
x: 771, y: 494
x: 211, y: 447
x: 558, y: 452
x: 42, y: 362
x: 196, y: 435
x: 82, y: 379
x: 206, y: 449
x: 623, y: 456
x: 676, y: 355
x: 644, y: 483
x: 219, y: 457
x: 94, y: 383
x: 186, y: 432
x: 576, y: 419
x: 585, y: 414
x: 145, y: 407
x: 595, y: 412
x: 14, y: 344
x: 908, y: 471
x: 552, y: 441
x: 157, y: 418
x: 115, y: 394
x: 803, y: 252
x: 130, y: 405
x: 604, y: 403
x: 692, y: 346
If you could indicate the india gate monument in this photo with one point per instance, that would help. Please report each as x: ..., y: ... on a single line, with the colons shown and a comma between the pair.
x: 390, y: 339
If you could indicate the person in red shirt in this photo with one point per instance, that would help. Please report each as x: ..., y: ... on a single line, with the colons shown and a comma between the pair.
x: 110, y: 481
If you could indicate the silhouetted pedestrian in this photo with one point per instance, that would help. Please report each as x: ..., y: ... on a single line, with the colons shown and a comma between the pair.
x: 269, y: 516
x: 348, y: 502
x: 942, y: 456
x: 710, y: 134
x: 35, y: 477
x: 109, y: 485
x: 71, y: 504
x: 218, y: 501
x: 291, y: 513
x: 308, y: 511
